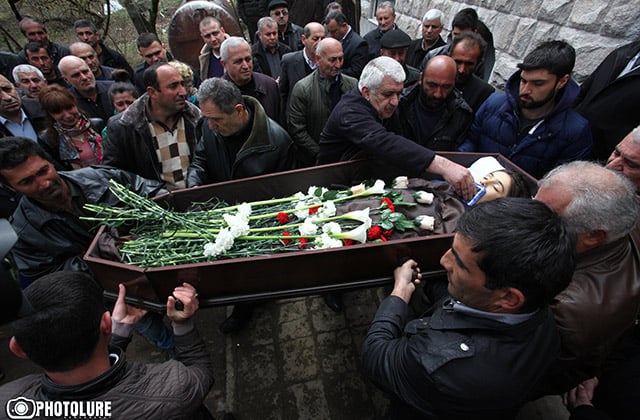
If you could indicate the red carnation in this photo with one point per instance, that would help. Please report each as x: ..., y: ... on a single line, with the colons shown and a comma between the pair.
x: 387, y: 233
x: 283, y: 218
x: 313, y: 210
x: 285, y: 233
x: 347, y: 242
x: 374, y: 233
x: 302, y: 243
x: 386, y: 202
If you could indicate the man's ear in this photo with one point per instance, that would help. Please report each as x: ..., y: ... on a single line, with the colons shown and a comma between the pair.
x: 595, y: 238
x: 562, y: 82
x: 106, y: 323
x: 366, y: 92
x: 511, y: 300
x: 16, y: 349
x: 238, y: 108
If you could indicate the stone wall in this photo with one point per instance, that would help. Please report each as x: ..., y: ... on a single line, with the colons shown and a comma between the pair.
x: 593, y: 27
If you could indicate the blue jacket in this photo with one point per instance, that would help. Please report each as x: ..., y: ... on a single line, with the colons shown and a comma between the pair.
x: 562, y: 136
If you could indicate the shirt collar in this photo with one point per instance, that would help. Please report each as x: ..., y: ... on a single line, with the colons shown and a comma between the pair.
x: 3, y: 120
x: 311, y: 65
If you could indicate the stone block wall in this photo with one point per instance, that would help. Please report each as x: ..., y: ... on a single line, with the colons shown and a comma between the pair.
x: 593, y: 27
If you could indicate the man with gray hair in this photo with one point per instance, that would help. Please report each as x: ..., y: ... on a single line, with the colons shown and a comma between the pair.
x: 238, y: 140
x: 625, y: 158
x: 356, y: 129
x: 432, y: 25
x: 603, y: 298
x: 267, y: 51
x: 235, y: 54
x: 386, y: 18
x: 29, y: 79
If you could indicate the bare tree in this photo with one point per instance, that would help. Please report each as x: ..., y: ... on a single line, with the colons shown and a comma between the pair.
x: 143, y: 14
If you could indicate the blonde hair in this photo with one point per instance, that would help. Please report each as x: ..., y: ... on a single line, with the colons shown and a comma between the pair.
x: 186, y: 73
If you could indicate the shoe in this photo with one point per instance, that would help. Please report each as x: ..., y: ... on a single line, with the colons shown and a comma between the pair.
x: 240, y: 316
x: 333, y: 301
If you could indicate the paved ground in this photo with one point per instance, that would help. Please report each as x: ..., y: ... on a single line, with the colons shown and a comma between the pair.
x: 296, y: 360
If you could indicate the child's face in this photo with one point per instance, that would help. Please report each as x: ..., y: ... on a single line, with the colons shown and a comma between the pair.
x: 122, y: 101
x: 497, y: 183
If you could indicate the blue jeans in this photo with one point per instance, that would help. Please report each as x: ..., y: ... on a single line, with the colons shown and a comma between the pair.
x: 153, y: 327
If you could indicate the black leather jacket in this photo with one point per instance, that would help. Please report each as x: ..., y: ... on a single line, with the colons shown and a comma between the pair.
x: 49, y: 240
x: 129, y: 144
x: 455, y: 364
x: 449, y: 132
x: 268, y: 148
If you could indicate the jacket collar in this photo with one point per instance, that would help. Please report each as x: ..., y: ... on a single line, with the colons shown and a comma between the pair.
x: 259, y: 131
x: 564, y: 101
x: 91, y: 389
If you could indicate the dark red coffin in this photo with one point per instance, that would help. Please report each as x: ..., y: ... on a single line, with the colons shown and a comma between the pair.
x: 280, y: 275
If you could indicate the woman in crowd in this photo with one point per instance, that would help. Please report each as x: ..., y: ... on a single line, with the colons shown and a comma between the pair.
x: 69, y: 132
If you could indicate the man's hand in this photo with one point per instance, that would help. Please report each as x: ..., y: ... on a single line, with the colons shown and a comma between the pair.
x: 189, y: 297
x: 406, y: 277
x: 581, y: 395
x: 123, y: 313
x: 456, y: 175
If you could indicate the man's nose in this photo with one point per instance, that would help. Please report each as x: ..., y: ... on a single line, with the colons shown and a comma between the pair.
x: 444, y: 260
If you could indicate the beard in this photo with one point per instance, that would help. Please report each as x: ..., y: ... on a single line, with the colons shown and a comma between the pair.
x: 431, y: 103
x: 540, y: 103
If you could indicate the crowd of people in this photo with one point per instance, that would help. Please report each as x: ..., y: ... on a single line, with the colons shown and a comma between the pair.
x: 542, y: 294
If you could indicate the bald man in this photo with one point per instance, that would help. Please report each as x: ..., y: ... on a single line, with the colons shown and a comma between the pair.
x: 90, y: 56
x: 314, y: 97
x: 433, y: 113
x: 92, y: 96
x: 294, y: 66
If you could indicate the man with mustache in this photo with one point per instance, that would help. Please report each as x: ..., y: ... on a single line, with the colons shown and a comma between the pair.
x: 531, y: 122
x: 156, y: 136
x: 38, y: 56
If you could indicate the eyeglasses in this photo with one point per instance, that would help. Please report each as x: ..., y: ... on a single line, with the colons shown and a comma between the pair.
x: 284, y: 12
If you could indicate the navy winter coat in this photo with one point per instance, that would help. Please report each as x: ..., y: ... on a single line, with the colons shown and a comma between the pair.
x: 562, y: 136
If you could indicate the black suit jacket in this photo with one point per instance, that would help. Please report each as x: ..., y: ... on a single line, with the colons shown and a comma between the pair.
x: 356, y: 54
x: 293, y: 67
x: 610, y: 103
x: 415, y: 53
x: 260, y: 63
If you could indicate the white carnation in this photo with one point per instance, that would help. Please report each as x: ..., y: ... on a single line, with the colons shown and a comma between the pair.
x: 325, y: 241
x: 331, y: 228
x: 308, y: 228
